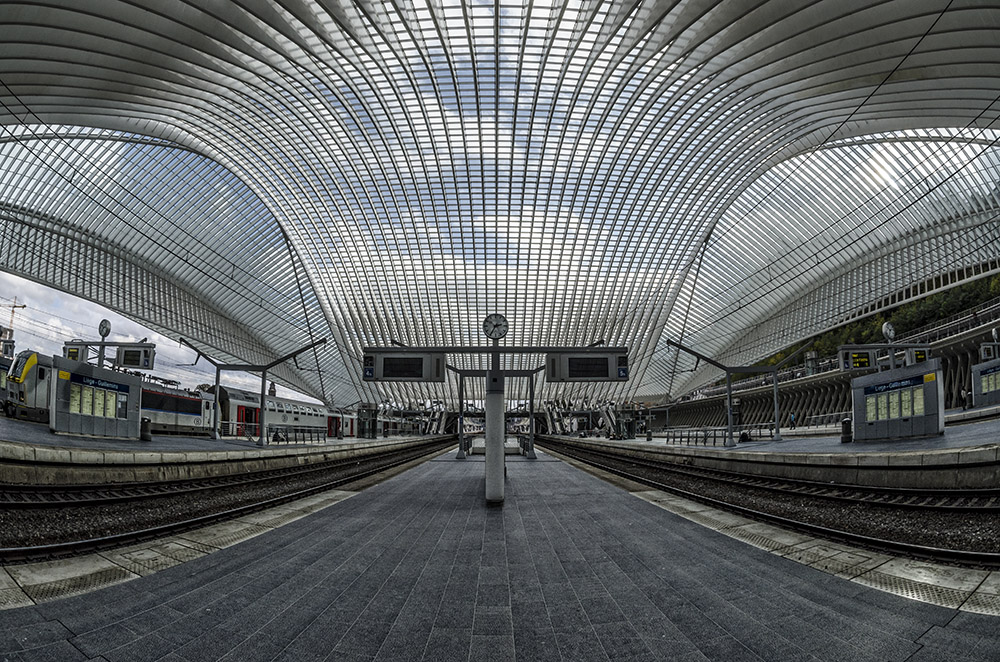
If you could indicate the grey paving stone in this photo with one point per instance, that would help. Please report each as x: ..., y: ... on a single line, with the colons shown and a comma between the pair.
x: 58, y: 651
x: 727, y: 649
x: 420, y: 559
x: 100, y: 641
x: 492, y: 648
x: 403, y: 645
x: 621, y: 642
x: 537, y: 646
x: 448, y: 645
x: 602, y: 610
x: 147, y: 648
x: 581, y: 645
x: 492, y: 621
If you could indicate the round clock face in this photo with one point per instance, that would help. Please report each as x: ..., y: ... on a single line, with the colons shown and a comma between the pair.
x: 888, y: 331
x: 104, y: 329
x: 495, y: 326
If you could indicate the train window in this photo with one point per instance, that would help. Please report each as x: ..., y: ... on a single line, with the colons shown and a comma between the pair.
x: 41, y: 372
x: 18, y: 367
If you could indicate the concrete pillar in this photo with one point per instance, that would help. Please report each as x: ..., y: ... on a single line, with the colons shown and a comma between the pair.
x: 495, y: 431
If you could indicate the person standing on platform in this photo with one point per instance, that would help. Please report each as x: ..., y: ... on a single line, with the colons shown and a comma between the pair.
x: 791, y: 421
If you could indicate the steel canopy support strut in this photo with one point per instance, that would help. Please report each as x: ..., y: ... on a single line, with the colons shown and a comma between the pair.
x: 251, y: 368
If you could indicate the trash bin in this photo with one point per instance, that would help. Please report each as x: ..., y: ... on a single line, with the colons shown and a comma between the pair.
x: 146, y: 429
x: 846, y: 433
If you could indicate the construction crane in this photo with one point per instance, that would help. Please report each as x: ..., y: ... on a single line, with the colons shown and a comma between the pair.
x: 13, y: 307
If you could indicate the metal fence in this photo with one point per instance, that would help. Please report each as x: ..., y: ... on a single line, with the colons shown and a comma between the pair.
x: 714, y: 436
x: 277, y: 434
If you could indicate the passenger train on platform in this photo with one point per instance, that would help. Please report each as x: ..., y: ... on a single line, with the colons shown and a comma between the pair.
x: 25, y: 395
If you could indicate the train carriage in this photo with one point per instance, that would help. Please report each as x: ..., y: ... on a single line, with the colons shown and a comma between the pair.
x: 176, y: 411
x: 27, y: 386
x: 240, y: 414
x: 24, y: 393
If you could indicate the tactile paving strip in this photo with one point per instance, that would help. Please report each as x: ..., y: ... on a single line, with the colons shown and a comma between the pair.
x: 146, y: 561
x: 13, y: 597
x: 844, y: 563
x: 755, y: 539
x: 938, y: 595
x: 76, y: 585
x: 983, y: 603
x: 230, y: 539
x: 281, y: 519
x: 826, y: 563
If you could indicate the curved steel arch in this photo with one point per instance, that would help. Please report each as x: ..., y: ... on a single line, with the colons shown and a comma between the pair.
x: 593, y: 170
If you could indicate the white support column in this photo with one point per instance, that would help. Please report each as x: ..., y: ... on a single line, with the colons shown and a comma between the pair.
x: 495, y: 430
x: 260, y: 419
x: 461, y: 418
x: 730, y: 441
x: 777, y: 412
x: 216, y: 422
x: 531, y: 419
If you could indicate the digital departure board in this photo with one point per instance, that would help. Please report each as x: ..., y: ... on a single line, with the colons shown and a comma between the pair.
x: 397, y: 366
x: 856, y: 359
x: 861, y: 359
x: 402, y: 367
x: 586, y: 367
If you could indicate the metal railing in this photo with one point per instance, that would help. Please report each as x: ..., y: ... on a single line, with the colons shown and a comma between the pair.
x: 826, y: 419
x: 951, y: 326
x: 277, y: 434
x: 295, y: 434
x: 714, y: 436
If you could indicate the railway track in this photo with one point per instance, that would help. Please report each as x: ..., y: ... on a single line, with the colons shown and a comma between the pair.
x: 230, y: 497
x: 960, y: 523
x: 54, y: 496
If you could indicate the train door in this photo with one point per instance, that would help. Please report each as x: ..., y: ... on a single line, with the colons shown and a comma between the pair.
x: 333, y: 426
x: 246, y: 420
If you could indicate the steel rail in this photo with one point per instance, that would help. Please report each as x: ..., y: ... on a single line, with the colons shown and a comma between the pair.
x: 78, y: 547
x: 983, y: 499
x: 953, y: 556
x: 56, y: 496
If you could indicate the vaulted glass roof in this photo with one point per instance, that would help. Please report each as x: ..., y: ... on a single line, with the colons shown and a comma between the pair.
x: 254, y: 176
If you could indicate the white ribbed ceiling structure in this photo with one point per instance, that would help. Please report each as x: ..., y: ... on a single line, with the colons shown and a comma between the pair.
x: 735, y: 175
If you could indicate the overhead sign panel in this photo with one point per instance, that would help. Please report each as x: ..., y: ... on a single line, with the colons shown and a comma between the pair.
x: 856, y: 359
x: 404, y: 367
x: 141, y: 356
x: 586, y: 367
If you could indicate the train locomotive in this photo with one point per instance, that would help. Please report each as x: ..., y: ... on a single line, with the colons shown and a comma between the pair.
x: 25, y: 393
x: 27, y: 386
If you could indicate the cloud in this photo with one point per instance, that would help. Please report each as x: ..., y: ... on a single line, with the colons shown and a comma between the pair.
x: 52, y: 318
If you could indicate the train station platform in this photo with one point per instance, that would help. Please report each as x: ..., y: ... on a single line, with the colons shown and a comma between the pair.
x: 38, y: 434
x: 961, y: 431
x: 570, y: 568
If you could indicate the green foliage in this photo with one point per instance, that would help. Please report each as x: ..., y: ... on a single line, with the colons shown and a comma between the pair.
x: 905, y: 318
